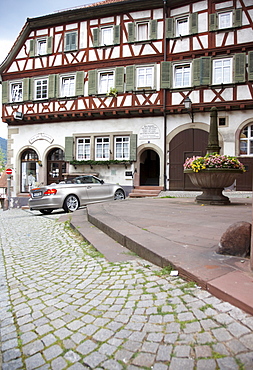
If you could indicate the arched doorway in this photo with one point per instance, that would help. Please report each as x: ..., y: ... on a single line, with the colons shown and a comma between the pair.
x: 56, y: 166
x: 149, y: 168
x: 29, y: 170
x: 188, y: 143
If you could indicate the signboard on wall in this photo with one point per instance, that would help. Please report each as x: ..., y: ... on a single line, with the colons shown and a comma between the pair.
x: 149, y: 131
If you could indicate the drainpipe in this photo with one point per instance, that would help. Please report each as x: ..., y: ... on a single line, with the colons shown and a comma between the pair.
x: 164, y: 96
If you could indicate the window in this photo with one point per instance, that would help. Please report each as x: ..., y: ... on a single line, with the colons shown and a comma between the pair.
x: 102, y: 148
x: 182, y: 75
x: 70, y: 41
x: 222, y: 71
x: 105, y: 82
x: 67, y: 86
x: 122, y: 145
x: 145, y: 77
x: 83, y: 149
x: 107, y: 36
x: 142, y: 31
x: 225, y: 20
x: 182, y: 26
x: 246, y: 141
x: 41, y: 88
x: 16, y: 92
x: 41, y: 46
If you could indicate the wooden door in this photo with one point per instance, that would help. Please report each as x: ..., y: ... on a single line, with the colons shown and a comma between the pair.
x: 188, y: 143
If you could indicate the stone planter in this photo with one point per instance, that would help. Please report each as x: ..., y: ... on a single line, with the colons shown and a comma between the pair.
x: 212, y: 182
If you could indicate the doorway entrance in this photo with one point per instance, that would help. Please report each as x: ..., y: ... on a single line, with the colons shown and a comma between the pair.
x: 188, y: 143
x: 56, y: 166
x: 149, y: 168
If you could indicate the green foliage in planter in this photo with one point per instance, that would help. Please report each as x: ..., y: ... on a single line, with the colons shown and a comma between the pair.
x: 93, y: 163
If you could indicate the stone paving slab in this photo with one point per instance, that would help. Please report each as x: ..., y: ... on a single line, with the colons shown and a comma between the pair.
x: 64, y: 306
x: 183, y: 234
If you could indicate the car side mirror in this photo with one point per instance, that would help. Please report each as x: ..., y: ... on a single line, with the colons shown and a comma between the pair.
x: 102, y: 181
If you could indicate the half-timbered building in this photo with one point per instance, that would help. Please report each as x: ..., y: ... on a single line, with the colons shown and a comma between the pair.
x: 104, y: 89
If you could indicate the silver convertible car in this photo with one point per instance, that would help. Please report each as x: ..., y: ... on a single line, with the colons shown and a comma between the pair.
x: 72, y: 194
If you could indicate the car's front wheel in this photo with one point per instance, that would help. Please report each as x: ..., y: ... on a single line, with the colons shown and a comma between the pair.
x: 46, y: 211
x: 119, y: 194
x: 71, y: 203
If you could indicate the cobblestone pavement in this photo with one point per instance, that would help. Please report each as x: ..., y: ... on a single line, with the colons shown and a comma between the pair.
x: 63, y: 306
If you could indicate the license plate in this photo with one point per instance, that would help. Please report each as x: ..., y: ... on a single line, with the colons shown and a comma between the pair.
x: 38, y: 194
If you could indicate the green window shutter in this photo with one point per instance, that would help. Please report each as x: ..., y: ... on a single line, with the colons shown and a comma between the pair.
x: 169, y: 24
x: 212, y: 22
x: 237, y: 17
x: 26, y: 89
x: 133, y: 148
x: 250, y: 66
x: 70, y: 41
x: 165, y: 76
x: 66, y: 42
x: 205, y: 70
x: 92, y: 82
x: 49, y: 45
x: 130, y: 78
x: 194, y: 17
x: 69, y: 145
x: 196, y: 72
x: 32, y: 48
x: 119, y: 79
x: 5, y: 92
x: 239, y: 67
x: 131, y: 32
x: 96, y: 33
x: 57, y: 86
x: 116, y: 34
x: 51, y: 86
x: 153, y: 29
x: 79, y: 83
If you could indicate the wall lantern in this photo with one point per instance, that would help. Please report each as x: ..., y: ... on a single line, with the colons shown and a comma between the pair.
x: 188, y: 107
x: 39, y: 163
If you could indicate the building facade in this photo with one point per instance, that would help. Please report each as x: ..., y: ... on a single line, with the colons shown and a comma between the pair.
x: 102, y: 89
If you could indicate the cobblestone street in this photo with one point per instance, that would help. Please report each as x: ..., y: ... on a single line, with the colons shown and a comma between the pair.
x: 64, y: 306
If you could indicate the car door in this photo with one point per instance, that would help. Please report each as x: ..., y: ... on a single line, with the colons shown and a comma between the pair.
x: 97, y: 191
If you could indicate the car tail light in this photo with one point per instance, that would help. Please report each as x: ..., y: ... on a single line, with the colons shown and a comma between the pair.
x: 50, y: 192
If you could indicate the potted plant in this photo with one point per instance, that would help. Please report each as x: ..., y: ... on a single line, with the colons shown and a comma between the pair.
x: 113, y: 92
x: 212, y: 173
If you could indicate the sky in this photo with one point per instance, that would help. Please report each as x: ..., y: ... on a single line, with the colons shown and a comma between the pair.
x: 13, y: 16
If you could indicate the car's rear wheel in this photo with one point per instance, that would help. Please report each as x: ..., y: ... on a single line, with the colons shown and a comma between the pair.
x: 46, y: 211
x: 71, y: 203
x: 119, y: 194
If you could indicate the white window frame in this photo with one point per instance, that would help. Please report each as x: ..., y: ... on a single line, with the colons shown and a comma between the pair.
x: 67, y: 85
x: 43, y: 82
x: 102, y: 148
x: 18, y: 96
x: 185, y: 69
x: 106, y: 39
x: 66, y: 49
x: 83, y: 148
x: 221, y: 18
x: 247, y: 140
x: 140, y: 36
x: 39, y: 42
x: 106, y: 81
x: 143, y: 79
x: 219, y: 72
x: 182, y: 31
x: 122, y: 147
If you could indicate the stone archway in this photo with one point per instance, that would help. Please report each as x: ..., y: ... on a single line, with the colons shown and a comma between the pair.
x: 149, y: 168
